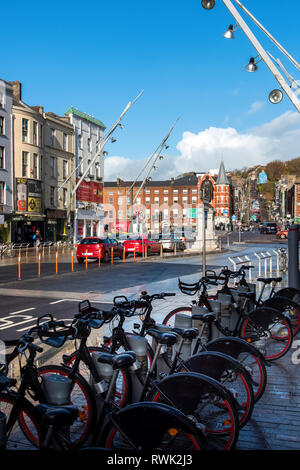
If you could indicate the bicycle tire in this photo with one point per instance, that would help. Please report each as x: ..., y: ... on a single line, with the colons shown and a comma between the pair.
x: 248, y: 356
x: 231, y: 374
x: 124, y: 386
x: 259, y: 329
x: 293, y: 294
x: 26, y: 433
x: 82, y: 397
x: 288, y: 308
x: 167, y: 429
x: 169, y: 320
x: 205, y: 400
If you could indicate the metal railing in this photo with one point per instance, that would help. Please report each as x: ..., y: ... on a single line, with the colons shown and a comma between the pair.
x: 240, y: 260
x: 263, y: 257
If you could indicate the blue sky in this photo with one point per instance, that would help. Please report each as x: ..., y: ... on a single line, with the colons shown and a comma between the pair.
x: 97, y: 56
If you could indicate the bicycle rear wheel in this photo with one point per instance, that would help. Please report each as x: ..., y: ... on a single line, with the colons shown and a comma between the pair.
x: 269, y: 331
x: 205, y: 401
x: 288, y: 307
x: 168, y: 430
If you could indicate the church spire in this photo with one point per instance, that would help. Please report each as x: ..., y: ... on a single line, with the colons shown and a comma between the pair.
x: 222, y: 177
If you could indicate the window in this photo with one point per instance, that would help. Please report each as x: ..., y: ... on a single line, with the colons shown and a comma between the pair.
x: 120, y: 201
x: 175, y: 199
x: 147, y: 200
x: 41, y: 135
x: 166, y: 199
x: 111, y: 193
x: 138, y: 200
x: 24, y: 130
x: 184, y: 199
x: 194, y: 199
x: 25, y: 164
x: 1, y: 125
x: 185, y: 191
x: 90, y: 145
x: 80, y: 170
x: 52, y: 195
x: 110, y: 201
x: 166, y: 191
x: 147, y: 191
x: 35, y: 166
x: 98, y: 171
x: 175, y: 213
x: 80, y: 141
x: 119, y: 214
x: 2, y: 192
x: 175, y: 190
x: 90, y: 173
x: 194, y: 191
x: 156, y: 191
x: 52, y: 167
x: 65, y: 142
x: 41, y: 167
x: 156, y: 200
x: 1, y: 100
x: 2, y: 163
x: 52, y: 137
x: 65, y: 169
x: 65, y: 197
x: 34, y: 132
x: 110, y: 214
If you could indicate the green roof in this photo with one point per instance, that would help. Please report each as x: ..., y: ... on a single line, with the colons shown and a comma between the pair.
x: 75, y: 111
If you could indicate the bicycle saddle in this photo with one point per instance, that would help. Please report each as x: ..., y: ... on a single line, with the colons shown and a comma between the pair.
x: 162, y: 338
x: 117, y: 361
x: 205, y: 317
x: 54, y: 416
x: 268, y: 280
x: 186, y: 333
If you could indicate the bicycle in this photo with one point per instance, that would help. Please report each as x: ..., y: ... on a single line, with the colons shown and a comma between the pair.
x: 265, y: 327
x: 214, y: 411
x: 168, y: 428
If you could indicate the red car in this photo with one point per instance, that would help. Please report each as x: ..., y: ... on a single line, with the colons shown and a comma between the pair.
x: 90, y: 247
x: 137, y: 244
x: 283, y: 234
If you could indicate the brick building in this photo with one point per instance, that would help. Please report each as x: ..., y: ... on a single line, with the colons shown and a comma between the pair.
x: 165, y: 206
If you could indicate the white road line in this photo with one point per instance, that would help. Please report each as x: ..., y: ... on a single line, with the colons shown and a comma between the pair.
x: 21, y: 311
x: 58, y: 301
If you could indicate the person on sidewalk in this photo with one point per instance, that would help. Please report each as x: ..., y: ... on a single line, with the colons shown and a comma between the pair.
x: 37, y: 238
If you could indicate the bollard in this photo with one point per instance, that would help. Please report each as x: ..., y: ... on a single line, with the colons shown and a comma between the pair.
x: 161, y: 250
x: 19, y: 268
x: 134, y: 254
x: 293, y: 257
x: 56, y: 262
x: 86, y: 260
x: 39, y: 265
x: 112, y: 256
x: 175, y: 248
x: 72, y: 261
x: 99, y: 261
x: 124, y: 252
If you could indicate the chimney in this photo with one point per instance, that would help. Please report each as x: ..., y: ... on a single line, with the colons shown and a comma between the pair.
x: 17, y: 90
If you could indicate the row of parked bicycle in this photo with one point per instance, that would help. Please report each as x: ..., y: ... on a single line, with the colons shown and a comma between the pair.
x: 187, y: 384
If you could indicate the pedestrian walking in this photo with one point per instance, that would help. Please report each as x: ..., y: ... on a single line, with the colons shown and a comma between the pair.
x: 37, y: 240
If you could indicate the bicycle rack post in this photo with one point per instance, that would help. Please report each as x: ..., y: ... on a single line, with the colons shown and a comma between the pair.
x: 259, y: 263
x: 271, y: 267
x: 293, y: 257
x: 277, y: 261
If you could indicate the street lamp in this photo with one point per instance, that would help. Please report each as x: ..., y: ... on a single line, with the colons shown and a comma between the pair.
x: 276, y: 96
x: 252, y: 66
x: 208, y: 4
x: 229, y: 34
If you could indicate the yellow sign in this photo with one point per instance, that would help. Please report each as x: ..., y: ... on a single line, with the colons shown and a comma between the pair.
x: 34, y: 204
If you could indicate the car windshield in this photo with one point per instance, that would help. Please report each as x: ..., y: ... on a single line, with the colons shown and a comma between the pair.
x: 130, y: 239
x: 92, y: 241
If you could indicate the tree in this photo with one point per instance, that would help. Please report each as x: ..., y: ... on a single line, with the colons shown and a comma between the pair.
x: 274, y: 170
x: 293, y: 166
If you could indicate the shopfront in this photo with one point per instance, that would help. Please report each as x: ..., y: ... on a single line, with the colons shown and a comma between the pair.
x: 57, y: 225
x: 29, y: 215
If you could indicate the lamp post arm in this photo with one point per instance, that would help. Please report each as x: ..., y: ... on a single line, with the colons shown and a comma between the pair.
x: 263, y: 54
x: 267, y: 33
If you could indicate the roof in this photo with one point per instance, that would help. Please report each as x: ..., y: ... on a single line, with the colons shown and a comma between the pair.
x: 187, y: 180
x: 222, y: 177
x: 85, y: 116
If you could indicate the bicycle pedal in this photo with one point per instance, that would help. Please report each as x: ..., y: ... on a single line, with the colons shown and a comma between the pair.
x: 162, y: 375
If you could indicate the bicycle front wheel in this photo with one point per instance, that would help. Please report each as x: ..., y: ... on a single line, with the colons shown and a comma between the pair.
x: 25, y: 432
x: 269, y: 331
x: 82, y: 397
x: 170, y: 321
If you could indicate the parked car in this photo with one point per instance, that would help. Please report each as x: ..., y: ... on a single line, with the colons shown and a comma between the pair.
x: 168, y: 243
x: 139, y: 243
x: 283, y: 234
x: 91, y: 247
x: 269, y: 227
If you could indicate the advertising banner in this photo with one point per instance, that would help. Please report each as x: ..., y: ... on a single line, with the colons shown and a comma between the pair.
x: 28, y: 195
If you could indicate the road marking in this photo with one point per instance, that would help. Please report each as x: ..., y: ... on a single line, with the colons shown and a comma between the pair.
x: 21, y: 311
x: 58, y: 301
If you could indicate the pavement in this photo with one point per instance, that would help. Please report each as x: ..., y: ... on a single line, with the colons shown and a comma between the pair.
x: 275, y: 422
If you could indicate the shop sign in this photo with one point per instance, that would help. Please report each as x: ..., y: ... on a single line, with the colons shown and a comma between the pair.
x: 90, y: 191
x: 28, y: 195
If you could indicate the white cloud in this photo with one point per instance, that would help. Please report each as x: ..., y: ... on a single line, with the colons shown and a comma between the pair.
x: 276, y: 140
x: 255, y: 107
